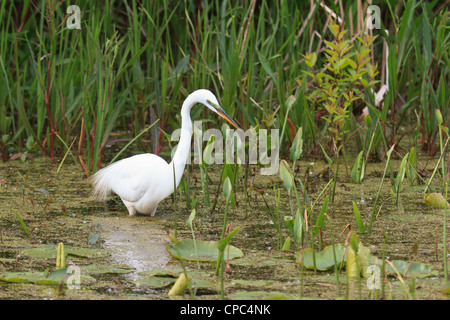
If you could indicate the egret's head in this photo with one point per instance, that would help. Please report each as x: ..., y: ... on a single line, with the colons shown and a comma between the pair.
x: 209, y: 99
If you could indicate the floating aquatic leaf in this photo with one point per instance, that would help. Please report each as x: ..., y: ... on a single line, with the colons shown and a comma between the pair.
x: 324, y: 260
x: 21, y: 276
x: 108, y: 269
x: 202, y: 283
x: 435, y: 200
x: 162, y: 272
x: 155, y: 282
x: 38, y: 277
x: 86, y: 252
x: 258, y: 261
x: 207, y: 250
x: 50, y: 251
x: 421, y: 270
x: 42, y: 252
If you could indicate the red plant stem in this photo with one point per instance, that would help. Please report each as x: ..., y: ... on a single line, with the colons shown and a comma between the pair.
x: 92, y: 137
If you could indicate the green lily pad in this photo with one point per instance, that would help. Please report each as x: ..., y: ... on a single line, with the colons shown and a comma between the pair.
x: 174, y: 273
x: 324, y: 259
x: 156, y: 282
x: 203, y: 283
x: 207, y: 250
x: 38, y: 277
x: 50, y: 252
x: 421, y: 270
x: 108, y: 269
x: 25, y: 277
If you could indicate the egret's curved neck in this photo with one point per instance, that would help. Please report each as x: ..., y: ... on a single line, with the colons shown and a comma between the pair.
x: 184, y: 145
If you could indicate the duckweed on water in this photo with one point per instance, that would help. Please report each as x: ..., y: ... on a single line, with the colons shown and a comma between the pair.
x: 72, y: 216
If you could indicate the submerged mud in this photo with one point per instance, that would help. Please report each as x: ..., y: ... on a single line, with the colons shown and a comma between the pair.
x: 57, y: 207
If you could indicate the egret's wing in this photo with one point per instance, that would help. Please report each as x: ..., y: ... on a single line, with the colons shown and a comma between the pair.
x: 130, y: 178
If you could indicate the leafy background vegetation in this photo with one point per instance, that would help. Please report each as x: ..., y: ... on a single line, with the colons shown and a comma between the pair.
x: 133, y: 62
x: 308, y: 68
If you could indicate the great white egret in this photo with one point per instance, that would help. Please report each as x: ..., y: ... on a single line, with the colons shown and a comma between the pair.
x: 143, y: 181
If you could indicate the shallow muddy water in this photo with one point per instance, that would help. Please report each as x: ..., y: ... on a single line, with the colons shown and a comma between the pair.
x: 56, y: 207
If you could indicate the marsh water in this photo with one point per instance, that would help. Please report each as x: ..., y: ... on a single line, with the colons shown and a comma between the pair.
x: 56, y: 207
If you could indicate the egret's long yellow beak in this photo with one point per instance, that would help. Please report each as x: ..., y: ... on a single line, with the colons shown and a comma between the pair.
x: 227, y: 117
x: 222, y: 113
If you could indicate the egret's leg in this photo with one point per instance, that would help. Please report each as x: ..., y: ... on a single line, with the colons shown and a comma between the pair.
x: 154, y: 211
x: 130, y: 207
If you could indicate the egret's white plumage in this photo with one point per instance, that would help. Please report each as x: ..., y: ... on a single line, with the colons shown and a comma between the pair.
x: 143, y: 181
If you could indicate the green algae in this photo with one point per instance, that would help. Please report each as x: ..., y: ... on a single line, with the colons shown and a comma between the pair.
x: 67, y: 214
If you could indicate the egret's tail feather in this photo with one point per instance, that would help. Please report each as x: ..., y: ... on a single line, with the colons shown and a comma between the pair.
x: 101, y: 184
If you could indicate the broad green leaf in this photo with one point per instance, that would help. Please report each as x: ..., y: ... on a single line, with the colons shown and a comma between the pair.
x: 297, y: 145
x: 99, y: 269
x: 155, y: 282
x: 162, y: 272
x: 227, y: 188
x: 421, y: 270
x: 44, y: 278
x: 321, y: 217
x: 266, y: 66
x: 358, y: 218
x: 358, y: 169
x: 324, y: 259
x: 396, y: 187
x: 351, y: 63
x: 286, y: 244
x: 289, y: 223
x: 357, y: 260
x: 286, y: 175
x: 50, y: 251
x: 207, y: 250
x: 192, y: 216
